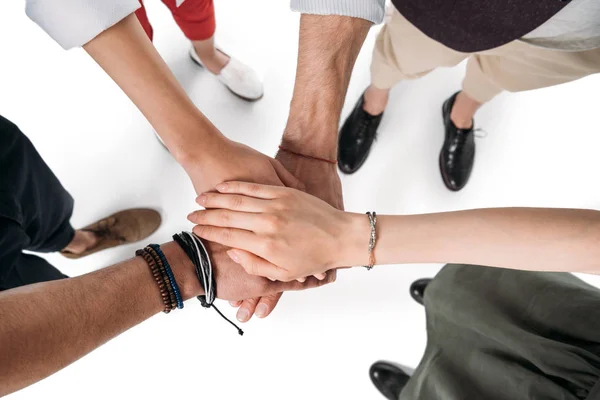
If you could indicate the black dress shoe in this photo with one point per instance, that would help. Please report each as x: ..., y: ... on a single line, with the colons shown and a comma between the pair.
x: 388, y: 378
x: 356, y: 137
x: 417, y: 289
x: 458, y: 152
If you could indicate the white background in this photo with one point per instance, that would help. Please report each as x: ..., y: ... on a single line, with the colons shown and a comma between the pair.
x: 541, y: 151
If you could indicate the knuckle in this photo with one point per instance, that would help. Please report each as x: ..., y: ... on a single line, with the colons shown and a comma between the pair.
x: 253, y: 188
x: 237, y: 201
x: 225, y: 234
x: 273, y: 222
x: 224, y: 217
x: 199, y: 230
x: 280, y: 205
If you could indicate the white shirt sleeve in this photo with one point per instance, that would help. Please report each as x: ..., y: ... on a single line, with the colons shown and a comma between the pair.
x: 371, y: 10
x: 73, y: 23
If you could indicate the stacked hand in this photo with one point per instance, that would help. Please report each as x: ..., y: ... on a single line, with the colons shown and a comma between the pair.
x: 276, y: 232
x: 235, y: 284
x: 228, y: 160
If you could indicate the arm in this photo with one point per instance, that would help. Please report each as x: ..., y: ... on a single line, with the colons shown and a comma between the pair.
x: 327, y: 52
x: 47, y: 326
x: 300, y: 235
x: 329, y: 45
x: 129, y: 58
x: 537, y: 239
x: 112, y: 35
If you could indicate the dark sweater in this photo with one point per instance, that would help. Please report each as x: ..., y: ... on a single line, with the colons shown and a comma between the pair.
x: 475, y: 25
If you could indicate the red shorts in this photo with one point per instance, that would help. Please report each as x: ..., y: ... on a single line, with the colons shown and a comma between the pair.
x: 196, y: 18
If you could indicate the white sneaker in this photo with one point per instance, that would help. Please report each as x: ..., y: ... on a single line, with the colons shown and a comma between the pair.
x: 239, y: 78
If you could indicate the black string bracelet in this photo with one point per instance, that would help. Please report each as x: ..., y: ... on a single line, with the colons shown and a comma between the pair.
x: 197, y: 253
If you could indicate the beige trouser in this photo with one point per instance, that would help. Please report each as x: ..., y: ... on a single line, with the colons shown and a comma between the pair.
x: 404, y: 52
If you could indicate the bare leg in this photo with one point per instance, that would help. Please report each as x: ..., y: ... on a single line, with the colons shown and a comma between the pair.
x: 82, y: 241
x: 213, y: 59
x: 376, y: 100
x: 463, y: 111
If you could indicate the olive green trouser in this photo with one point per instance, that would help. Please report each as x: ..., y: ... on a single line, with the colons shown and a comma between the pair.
x: 499, y: 334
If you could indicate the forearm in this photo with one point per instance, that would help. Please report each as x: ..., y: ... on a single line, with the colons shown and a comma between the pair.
x: 47, y: 326
x: 327, y: 52
x: 519, y: 238
x: 129, y: 58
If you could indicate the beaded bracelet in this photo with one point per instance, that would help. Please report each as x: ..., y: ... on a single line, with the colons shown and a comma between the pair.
x: 159, y: 278
x: 163, y: 272
x: 169, y: 272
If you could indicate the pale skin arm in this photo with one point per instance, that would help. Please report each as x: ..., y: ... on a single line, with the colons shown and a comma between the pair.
x: 536, y: 239
x: 293, y: 233
x: 47, y: 326
x: 129, y: 58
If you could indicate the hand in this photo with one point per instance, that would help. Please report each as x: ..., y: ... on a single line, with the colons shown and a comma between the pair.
x: 319, y: 178
x: 234, y: 284
x: 279, y: 233
x: 229, y: 160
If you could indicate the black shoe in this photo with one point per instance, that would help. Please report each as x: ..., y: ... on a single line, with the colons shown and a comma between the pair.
x: 356, y: 137
x: 388, y: 378
x: 417, y: 289
x: 458, y: 152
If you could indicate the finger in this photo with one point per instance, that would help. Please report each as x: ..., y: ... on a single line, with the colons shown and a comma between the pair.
x: 235, y: 304
x: 286, y: 176
x: 229, y: 237
x: 234, y: 202
x: 247, y: 309
x: 310, y: 283
x: 267, y: 304
x: 258, y: 191
x: 255, y: 265
x: 228, y: 219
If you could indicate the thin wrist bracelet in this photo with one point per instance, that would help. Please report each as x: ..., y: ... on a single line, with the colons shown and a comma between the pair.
x: 372, y: 239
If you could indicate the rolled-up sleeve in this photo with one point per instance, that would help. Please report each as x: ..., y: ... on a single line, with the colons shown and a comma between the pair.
x: 371, y: 10
x: 73, y: 23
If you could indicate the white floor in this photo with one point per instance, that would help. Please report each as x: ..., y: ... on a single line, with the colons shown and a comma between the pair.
x: 541, y: 151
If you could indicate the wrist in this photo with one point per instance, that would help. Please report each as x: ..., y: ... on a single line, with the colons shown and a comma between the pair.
x: 355, y: 240
x: 312, y: 137
x: 311, y: 140
x: 190, y: 138
x: 183, y: 269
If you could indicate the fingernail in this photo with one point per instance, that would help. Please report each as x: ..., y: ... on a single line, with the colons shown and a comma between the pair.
x: 272, y: 279
x: 201, y: 199
x: 221, y: 187
x: 261, y: 310
x: 243, y: 315
x: 234, y: 256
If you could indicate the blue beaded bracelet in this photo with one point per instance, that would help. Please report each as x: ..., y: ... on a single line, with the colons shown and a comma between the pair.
x: 163, y: 259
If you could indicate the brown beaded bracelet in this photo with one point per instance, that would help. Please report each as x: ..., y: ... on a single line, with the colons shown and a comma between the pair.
x: 159, y: 278
x: 163, y: 271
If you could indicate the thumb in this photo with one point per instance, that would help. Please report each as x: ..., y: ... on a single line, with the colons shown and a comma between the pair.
x: 286, y: 176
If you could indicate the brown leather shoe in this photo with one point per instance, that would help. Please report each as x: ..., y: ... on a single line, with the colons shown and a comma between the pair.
x: 127, y: 226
